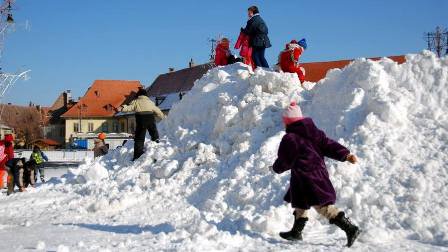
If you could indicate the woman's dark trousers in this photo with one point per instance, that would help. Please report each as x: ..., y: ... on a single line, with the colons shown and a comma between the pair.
x: 258, y: 57
x: 144, y: 122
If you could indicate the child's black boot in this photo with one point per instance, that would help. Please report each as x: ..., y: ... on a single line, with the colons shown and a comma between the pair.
x: 296, y: 232
x: 350, y: 229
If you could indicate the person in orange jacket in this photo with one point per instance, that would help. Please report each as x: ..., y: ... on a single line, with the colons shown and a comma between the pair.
x: 6, y: 154
x: 289, y: 58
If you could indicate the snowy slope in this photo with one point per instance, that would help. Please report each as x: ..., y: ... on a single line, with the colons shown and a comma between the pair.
x: 207, y: 185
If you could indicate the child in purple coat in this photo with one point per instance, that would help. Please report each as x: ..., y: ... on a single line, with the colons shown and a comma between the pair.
x: 302, y: 150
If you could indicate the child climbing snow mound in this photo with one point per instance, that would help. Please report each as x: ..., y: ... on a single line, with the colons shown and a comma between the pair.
x: 302, y: 150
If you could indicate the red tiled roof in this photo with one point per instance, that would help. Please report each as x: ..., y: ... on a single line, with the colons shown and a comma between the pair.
x: 58, y: 103
x: 49, y: 141
x: 46, y: 141
x: 102, y: 96
x: 315, y: 71
x: 178, y: 81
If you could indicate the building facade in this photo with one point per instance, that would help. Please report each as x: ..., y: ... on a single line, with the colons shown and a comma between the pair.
x: 95, y: 111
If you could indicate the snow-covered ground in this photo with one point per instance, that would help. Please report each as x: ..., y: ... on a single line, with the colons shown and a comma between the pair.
x: 207, y: 186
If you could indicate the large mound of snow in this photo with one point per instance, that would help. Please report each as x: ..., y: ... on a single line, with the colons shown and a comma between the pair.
x: 207, y: 184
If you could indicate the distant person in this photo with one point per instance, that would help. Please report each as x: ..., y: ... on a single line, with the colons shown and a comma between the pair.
x: 6, y: 154
x: 146, y: 113
x: 29, y: 177
x: 302, y: 150
x: 289, y: 58
x: 30, y: 174
x: 39, y: 158
x: 17, y: 167
x: 100, y: 148
x: 257, y: 31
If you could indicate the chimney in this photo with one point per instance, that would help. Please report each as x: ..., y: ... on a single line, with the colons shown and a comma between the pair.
x: 191, y: 63
x: 171, y: 69
x: 69, y: 95
x: 65, y: 97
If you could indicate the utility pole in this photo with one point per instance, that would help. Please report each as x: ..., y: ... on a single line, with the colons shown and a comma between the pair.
x: 438, y: 41
x: 82, y: 107
x: 212, y: 51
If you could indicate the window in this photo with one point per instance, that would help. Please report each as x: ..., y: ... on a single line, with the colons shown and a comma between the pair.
x: 122, y: 129
x: 132, y: 128
x: 105, y: 127
x: 76, y: 127
x: 90, y: 125
x: 115, y: 127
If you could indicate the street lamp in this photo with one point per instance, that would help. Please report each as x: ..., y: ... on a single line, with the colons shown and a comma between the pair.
x: 9, y: 19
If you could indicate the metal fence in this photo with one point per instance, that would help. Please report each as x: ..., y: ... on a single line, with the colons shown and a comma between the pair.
x: 59, y: 155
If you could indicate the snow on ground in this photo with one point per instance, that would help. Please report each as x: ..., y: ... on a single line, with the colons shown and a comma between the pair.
x: 207, y: 185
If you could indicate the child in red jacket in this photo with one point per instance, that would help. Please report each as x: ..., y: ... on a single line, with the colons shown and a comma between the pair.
x: 223, y: 54
x: 6, y: 154
x: 245, y: 50
x: 289, y: 58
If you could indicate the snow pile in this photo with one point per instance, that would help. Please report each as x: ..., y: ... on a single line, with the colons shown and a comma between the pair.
x: 210, y: 173
x: 395, y: 118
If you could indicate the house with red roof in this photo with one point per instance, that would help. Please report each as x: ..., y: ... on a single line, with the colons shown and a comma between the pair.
x: 95, y: 113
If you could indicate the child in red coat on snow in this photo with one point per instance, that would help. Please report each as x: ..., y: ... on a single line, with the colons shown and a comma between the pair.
x: 223, y: 54
x: 288, y: 59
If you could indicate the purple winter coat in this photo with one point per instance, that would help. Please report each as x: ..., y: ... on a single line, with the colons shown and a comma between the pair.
x: 302, y: 150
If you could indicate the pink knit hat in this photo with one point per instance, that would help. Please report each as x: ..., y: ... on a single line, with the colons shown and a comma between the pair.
x: 292, y: 114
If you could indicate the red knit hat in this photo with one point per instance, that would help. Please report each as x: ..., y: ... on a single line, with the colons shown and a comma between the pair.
x: 292, y: 114
x: 102, y: 136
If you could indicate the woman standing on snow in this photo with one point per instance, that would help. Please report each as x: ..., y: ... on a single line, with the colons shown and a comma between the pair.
x: 257, y: 31
x: 146, y: 113
x: 302, y: 150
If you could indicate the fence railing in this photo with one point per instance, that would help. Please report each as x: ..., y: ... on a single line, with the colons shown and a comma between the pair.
x: 59, y: 155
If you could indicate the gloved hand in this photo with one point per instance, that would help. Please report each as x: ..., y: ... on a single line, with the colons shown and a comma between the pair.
x: 352, y: 158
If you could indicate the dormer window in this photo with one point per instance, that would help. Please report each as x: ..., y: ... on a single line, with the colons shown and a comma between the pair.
x: 109, y: 107
x: 97, y: 93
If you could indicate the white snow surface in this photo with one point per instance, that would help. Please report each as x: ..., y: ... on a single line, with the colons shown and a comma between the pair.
x: 207, y: 185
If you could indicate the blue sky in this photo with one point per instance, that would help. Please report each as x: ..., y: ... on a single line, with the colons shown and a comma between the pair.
x: 71, y: 43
